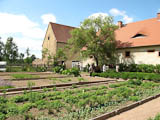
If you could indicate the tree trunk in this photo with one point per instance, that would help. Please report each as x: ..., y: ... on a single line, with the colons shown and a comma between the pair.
x: 96, y: 59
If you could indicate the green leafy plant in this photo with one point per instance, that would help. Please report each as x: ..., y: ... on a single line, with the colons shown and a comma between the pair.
x: 23, y: 76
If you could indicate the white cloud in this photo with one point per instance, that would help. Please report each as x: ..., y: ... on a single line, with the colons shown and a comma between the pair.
x: 12, y: 23
x: 95, y: 15
x: 25, y: 32
x: 125, y: 17
x: 48, y: 18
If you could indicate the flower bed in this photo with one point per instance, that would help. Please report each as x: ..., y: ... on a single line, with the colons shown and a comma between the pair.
x: 79, y: 103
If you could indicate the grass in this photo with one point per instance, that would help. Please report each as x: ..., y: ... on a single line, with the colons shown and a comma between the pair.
x: 24, y: 76
x: 77, y: 103
x: 6, y: 87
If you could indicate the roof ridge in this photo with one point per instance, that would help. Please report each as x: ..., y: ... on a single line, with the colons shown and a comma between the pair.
x: 140, y: 21
x: 63, y: 25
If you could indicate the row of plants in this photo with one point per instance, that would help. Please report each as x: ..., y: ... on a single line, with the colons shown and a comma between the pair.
x: 73, y: 71
x: 24, y: 76
x: 76, y: 104
x: 79, y: 79
x: 139, y: 68
x: 130, y: 75
x: 26, y: 68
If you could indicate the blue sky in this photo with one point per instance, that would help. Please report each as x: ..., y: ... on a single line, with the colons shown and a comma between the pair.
x: 26, y: 20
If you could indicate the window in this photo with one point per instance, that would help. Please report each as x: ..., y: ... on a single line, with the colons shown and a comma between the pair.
x: 158, y: 53
x: 127, y: 54
x: 150, y: 50
x: 48, y: 37
x: 138, y: 35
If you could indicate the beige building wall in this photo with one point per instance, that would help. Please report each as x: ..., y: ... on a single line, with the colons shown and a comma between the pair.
x: 140, y: 55
x: 70, y: 56
x: 49, y: 42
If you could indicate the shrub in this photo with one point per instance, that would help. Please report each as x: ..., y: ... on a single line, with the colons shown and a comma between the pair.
x: 75, y: 72
x: 139, y: 68
x: 135, y: 82
x: 134, y: 98
x: 57, y: 69
x: 130, y: 75
x: 41, y: 69
x: 66, y: 72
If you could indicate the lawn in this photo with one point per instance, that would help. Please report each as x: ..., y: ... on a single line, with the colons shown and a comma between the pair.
x: 76, y: 103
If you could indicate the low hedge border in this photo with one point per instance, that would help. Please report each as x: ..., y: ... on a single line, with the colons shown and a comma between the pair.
x: 130, y: 75
x: 124, y: 109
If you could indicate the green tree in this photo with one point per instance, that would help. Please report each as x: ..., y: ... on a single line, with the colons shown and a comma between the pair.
x: 33, y: 57
x: 1, y: 50
x: 59, y: 56
x: 46, y: 54
x: 21, y: 58
x: 27, y: 52
x: 95, y: 38
x: 10, y: 51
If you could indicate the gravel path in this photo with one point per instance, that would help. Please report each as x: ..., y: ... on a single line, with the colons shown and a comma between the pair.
x: 142, y: 112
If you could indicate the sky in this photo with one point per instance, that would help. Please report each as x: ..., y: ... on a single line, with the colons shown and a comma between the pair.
x: 27, y: 20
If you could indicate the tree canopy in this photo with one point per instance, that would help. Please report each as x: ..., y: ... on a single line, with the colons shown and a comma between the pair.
x: 9, y: 52
x: 95, y: 38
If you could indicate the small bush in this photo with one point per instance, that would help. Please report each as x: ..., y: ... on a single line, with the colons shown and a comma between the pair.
x: 134, y: 98
x: 41, y: 69
x: 57, y: 69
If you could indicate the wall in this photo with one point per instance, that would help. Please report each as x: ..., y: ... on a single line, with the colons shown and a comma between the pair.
x: 50, y: 44
x: 71, y: 56
x: 140, y: 55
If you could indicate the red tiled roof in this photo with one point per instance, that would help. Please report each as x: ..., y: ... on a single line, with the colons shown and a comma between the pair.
x: 62, y: 32
x: 150, y: 28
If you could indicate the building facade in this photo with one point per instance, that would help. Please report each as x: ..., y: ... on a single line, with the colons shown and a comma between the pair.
x: 137, y: 42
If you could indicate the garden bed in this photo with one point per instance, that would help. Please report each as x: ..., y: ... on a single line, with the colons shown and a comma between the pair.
x: 78, y: 103
x: 51, y: 79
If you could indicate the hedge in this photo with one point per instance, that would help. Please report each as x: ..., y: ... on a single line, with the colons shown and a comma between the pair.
x: 130, y: 75
x: 139, y: 68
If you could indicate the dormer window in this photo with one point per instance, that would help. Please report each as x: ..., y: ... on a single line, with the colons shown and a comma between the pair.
x: 139, y: 35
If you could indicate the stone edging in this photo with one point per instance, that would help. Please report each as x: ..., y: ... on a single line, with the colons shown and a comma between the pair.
x: 124, y: 109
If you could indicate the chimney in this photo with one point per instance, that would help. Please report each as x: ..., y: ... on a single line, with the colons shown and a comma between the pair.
x: 120, y: 24
x: 158, y: 15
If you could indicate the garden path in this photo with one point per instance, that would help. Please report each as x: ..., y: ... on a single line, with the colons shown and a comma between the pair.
x: 142, y: 112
